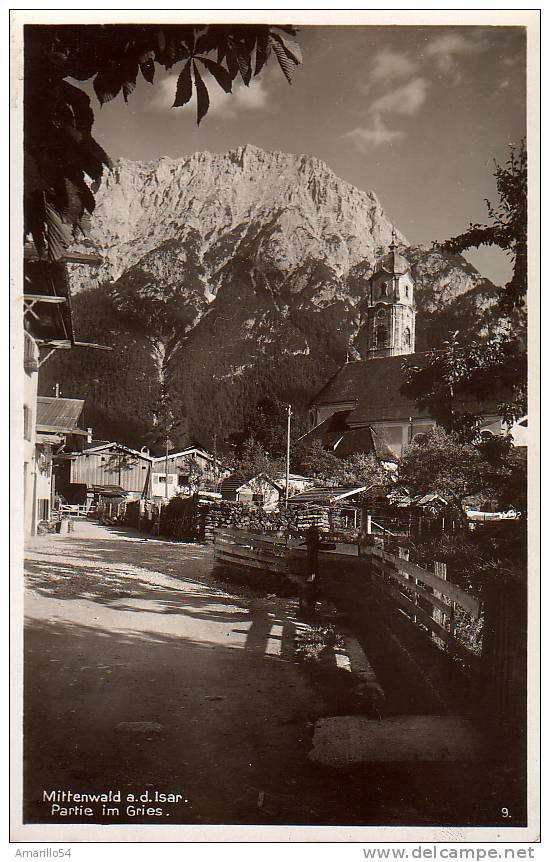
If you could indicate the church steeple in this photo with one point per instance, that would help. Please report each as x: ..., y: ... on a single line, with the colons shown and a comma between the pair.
x: 389, y: 310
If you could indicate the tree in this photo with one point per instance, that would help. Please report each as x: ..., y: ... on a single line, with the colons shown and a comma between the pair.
x: 508, y: 228
x: 63, y: 162
x: 359, y: 469
x: 461, y: 373
x: 452, y: 379
x: 255, y: 460
x: 456, y: 469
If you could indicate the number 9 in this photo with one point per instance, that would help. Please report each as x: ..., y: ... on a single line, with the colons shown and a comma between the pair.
x: 505, y: 812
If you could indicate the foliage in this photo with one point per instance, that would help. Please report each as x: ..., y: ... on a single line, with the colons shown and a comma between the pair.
x: 508, y: 227
x: 314, y: 643
x: 455, y: 469
x: 457, y: 376
x: 476, y: 559
x: 256, y: 461
x: 318, y: 463
x: 63, y: 162
x: 358, y: 469
x: 460, y: 373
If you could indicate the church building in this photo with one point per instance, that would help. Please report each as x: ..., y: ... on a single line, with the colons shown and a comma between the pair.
x: 362, y: 407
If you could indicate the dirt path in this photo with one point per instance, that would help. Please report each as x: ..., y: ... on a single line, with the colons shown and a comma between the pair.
x: 121, y: 630
x: 144, y: 674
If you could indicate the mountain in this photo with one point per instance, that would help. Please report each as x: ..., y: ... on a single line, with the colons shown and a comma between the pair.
x: 229, y: 278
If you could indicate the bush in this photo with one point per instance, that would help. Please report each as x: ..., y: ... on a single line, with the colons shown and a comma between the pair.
x: 477, y: 559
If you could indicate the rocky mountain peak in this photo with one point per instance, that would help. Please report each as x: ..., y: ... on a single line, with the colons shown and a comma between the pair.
x: 231, y: 277
x: 293, y: 207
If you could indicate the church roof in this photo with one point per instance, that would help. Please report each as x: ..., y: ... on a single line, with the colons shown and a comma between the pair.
x: 375, y: 384
x: 394, y: 263
x: 339, y: 437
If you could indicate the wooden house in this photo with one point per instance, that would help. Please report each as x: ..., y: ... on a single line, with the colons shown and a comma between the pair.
x: 253, y: 490
x: 57, y: 427
x: 104, y: 469
x: 330, y: 507
x: 185, y: 472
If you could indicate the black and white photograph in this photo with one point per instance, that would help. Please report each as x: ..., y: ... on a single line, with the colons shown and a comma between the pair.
x: 274, y: 478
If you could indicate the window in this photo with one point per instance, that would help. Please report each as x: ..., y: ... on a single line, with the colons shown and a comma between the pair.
x: 381, y: 336
x: 43, y: 510
x: 407, y: 290
x: 183, y: 480
x: 161, y: 479
x: 407, y: 337
x: 486, y: 435
x: 381, y: 313
x: 27, y: 422
x: 383, y: 289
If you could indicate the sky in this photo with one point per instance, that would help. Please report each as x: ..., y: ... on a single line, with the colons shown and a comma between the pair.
x: 417, y: 114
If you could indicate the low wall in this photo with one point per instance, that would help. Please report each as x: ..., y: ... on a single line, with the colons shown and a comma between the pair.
x: 194, y: 519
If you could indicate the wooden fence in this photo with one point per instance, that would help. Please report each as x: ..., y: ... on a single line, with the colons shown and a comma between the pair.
x: 369, y: 579
x: 249, y: 551
x: 426, y: 598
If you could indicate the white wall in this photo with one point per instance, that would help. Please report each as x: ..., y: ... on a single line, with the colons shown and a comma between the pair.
x: 30, y: 386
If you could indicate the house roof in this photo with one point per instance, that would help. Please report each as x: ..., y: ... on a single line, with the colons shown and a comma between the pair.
x: 99, y: 446
x: 326, y: 495
x: 375, y: 385
x: 52, y: 439
x: 109, y: 490
x: 189, y: 450
x: 47, y: 296
x: 58, y: 414
x: 237, y: 481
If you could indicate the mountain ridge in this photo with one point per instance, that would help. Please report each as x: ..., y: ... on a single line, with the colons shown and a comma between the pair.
x: 234, y: 277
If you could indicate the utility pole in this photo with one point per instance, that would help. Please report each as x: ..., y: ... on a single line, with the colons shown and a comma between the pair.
x: 168, y: 443
x: 215, y: 462
x: 289, y: 414
x: 57, y: 392
x: 166, y: 468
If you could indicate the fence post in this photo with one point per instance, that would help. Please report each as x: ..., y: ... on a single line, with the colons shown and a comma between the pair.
x: 440, y: 571
x: 504, y: 664
x: 404, y: 554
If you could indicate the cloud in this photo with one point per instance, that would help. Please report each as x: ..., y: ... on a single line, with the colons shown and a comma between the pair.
x: 399, y: 83
x: 390, y: 65
x: 445, y: 50
x: 399, y: 101
x: 370, y: 137
x: 404, y: 100
x: 224, y: 105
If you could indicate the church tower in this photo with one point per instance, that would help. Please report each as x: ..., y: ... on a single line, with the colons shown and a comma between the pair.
x: 388, y: 315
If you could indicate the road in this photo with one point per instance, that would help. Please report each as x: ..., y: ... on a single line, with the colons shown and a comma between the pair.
x: 146, y: 675
x: 122, y: 630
